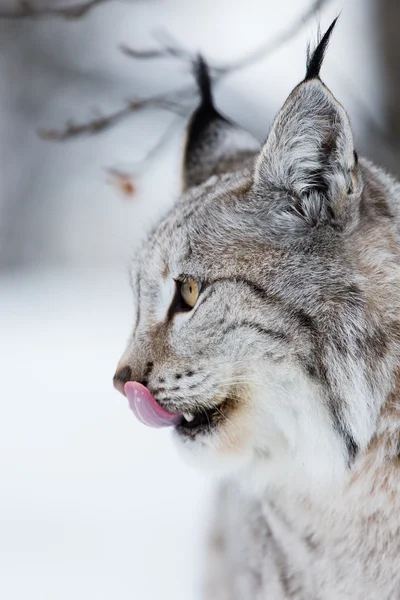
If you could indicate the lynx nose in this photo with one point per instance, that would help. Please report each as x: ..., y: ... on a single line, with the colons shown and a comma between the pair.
x: 121, y: 377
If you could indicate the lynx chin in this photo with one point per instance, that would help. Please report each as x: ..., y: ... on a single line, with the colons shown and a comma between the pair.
x: 267, y: 335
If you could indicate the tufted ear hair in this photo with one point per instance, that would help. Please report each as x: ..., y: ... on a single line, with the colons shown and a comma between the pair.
x: 214, y: 145
x: 308, y: 167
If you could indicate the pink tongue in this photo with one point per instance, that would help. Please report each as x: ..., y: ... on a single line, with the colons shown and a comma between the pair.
x: 146, y: 409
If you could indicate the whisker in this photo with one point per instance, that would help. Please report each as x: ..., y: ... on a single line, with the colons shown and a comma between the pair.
x: 227, y: 419
x: 208, y: 419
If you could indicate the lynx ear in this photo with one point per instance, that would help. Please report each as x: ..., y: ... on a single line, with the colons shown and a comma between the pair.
x: 309, y: 154
x: 214, y: 145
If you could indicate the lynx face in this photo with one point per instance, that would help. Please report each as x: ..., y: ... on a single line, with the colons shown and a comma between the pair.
x: 240, y: 365
x: 255, y: 336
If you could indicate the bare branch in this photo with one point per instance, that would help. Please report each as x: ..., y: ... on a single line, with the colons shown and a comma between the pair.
x: 173, y: 102
x: 28, y: 9
x: 123, y: 181
x: 170, y: 48
x: 126, y: 181
x: 275, y: 43
x: 141, y: 54
x: 164, y: 139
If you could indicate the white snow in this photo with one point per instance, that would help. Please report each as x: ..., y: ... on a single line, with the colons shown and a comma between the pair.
x: 93, y: 505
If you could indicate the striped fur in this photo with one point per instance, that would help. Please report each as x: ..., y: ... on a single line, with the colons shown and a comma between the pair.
x: 292, y: 349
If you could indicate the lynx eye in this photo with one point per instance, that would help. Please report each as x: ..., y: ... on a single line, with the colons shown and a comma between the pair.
x: 190, y: 291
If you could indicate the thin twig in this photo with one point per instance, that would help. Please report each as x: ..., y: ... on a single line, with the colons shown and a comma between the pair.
x: 170, y: 48
x: 25, y: 9
x: 125, y: 180
x: 174, y: 101
x: 102, y: 123
x: 164, y: 139
x: 276, y: 42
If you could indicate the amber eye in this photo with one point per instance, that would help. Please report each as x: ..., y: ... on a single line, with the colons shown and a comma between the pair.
x: 190, y: 291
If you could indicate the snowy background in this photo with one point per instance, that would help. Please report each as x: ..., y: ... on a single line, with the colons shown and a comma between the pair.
x: 92, y: 504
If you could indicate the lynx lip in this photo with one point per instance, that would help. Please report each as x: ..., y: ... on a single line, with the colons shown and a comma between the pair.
x: 146, y: 408
x: 149, y: 412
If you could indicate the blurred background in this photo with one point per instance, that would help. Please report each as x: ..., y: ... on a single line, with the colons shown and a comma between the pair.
x: 92, y: 504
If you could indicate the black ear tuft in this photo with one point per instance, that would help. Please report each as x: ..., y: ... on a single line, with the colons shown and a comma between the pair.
x: 315, y: 59
x: 214, y: 145
x: 203, y: 79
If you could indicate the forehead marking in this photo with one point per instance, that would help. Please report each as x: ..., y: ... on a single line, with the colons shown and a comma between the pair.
x: 136, y: 295
x: 165, y: 297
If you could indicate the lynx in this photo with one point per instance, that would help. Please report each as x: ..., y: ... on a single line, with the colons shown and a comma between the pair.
x: 267, y: 336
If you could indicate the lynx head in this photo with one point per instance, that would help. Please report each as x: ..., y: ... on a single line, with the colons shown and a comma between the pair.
x: 256, y: 336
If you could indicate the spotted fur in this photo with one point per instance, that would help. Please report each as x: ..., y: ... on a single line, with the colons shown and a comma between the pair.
x: 292, y: 350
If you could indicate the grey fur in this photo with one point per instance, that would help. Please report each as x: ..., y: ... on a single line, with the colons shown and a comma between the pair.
x: 294, y: 346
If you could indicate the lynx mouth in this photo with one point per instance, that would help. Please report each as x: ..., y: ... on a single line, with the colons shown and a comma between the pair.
x: 151, y: 413
x: 205, y: 419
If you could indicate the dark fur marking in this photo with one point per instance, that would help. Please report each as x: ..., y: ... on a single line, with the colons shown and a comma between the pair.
x: 156, y: 391
x: 305, y: 320
x: 189, y: 251
x: 178, y: 304
x: 314, y: 60
x: 291, y: 587
x: 290, y: 583
x: 375, y: 345
x: 256, y: 289
x: 149, y: 368
x: 311, y: 543
x: 321, y: 369
x: 380, y: 206
x: 200, y: 120
x: 138, y: 297
x: 351, y: 445
x: 317, y: 177
x: 353, y: 295
x: 276, y: 335
x: 279, y: 514
x: 203, y: 81
x: 349, y: 295
x: 394, y: 328
x: 193, y: 386
x: 341, y: 344
x: 209, y: 295
x: 340, y: 427
x: 310, y: 369
x: 315, y: 368
x: 397, y: 451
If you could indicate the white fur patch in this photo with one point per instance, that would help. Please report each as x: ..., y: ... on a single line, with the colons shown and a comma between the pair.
x: 166, y: 295
x: 285, y: 436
